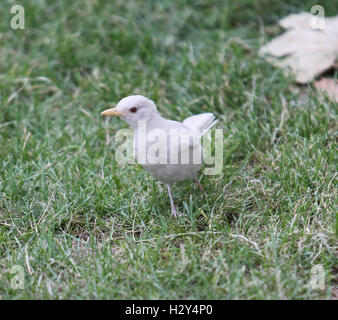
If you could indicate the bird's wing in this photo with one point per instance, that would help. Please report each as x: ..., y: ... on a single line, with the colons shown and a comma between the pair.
x: 202, y: 122
x: 185, y: 146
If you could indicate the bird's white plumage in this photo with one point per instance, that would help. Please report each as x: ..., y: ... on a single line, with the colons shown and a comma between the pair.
x: 187, y: 133
x: 173, y: 137
x: 202, y: 122
x: 187, y: 143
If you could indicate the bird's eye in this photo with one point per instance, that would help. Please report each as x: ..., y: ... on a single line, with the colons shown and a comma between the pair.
x: 133, y: 110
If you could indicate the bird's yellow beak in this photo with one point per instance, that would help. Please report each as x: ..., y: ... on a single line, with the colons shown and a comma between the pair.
x: 112, y: 113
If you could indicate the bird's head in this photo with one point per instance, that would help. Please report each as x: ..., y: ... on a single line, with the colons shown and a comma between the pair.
x: 133, y: 109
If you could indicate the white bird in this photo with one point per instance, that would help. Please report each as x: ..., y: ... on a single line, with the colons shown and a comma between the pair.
x: 176, y: 154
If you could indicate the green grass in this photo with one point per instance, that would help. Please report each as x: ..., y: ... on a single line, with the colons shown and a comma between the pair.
x: 82, y: 226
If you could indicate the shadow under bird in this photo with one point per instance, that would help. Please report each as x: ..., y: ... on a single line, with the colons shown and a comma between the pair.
x: 169, y: 150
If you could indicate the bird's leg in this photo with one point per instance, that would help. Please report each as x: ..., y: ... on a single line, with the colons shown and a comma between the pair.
x: 200, y: 186
x: 173, y: 207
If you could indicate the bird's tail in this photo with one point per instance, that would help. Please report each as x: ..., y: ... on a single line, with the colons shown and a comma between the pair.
x: 202, y: 122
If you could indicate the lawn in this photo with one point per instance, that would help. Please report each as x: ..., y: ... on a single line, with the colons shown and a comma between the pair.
x: 77, y: 225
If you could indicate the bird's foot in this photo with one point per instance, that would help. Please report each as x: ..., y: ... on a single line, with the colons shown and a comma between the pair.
x: 174, y: 212
x: 200, y: 186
